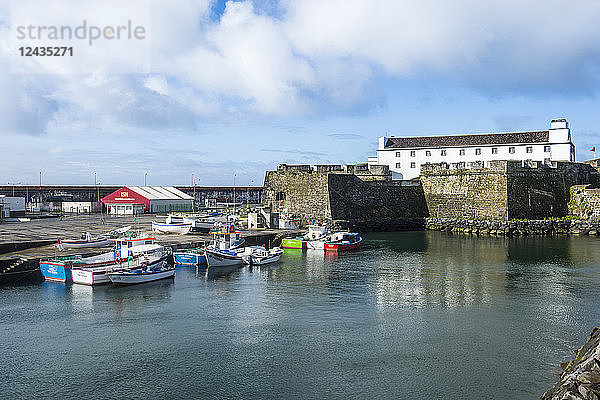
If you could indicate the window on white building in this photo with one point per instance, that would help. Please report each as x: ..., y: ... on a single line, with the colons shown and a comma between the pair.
x: 546, y: 149
x: 443, y: 153
x: 477, y: 151
x: 398, y: 154
x: 413, y: 153
x: 529, y: 149
x: 427, y: 153
x: 494, y: 150
x: 398, y: 165
x: 461, y: 152
x: 511, y: 150
x: 413, y: 165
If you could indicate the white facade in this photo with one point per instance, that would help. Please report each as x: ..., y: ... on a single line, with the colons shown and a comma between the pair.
x: 12, y: 206
x: 125, y: 209
x: 405, y: 156
x: 80, y: 207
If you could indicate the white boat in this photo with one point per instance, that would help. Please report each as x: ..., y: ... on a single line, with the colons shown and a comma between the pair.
x: 181, y: 229
x: 200, y: 223
x: 143, y: 274
x: 223, y: 258
x: 262, y: 256
x: 128, y: 253
x: 87, y: 240
x: 226, y: 248
x: 316, y: 244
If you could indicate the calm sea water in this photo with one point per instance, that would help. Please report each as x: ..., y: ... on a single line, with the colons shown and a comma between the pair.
x: 412, y: 315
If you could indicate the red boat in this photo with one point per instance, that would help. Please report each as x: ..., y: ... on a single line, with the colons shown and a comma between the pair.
x: 347, y: 241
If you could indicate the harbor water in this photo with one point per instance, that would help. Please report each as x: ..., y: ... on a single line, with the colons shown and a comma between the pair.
x: 419, y: 315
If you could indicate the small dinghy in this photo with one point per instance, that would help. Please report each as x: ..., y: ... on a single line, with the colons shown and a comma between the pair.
x: 145, y: 273
x: 261, y: 256
x: 87, y: 240
x: 181, y: 229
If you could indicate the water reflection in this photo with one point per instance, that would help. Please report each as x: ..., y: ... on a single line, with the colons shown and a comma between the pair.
x: 221, y: 273
x: 455, y: 270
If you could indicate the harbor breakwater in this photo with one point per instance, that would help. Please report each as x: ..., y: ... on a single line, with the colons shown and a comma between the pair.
x: 477, y: 226
x: 581, y: 376
x: 514, y: 227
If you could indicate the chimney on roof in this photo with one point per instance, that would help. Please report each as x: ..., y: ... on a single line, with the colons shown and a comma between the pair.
x: 559, y: 123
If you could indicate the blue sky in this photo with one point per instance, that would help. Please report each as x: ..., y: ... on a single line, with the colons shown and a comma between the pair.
x: 220, y: 88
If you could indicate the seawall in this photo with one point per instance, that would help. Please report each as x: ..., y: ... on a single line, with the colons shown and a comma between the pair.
x: 514, y: 228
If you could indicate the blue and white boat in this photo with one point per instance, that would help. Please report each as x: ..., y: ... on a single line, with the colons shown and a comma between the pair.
x: 190, y: 257
x: 226, y: 249
x: 146, y: 272
x: 59, y: 269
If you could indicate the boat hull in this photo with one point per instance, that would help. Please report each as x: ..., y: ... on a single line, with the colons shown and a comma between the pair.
x: 293, y: 244
x: 56, y: 272
x: 180, y: 229
x: 262, y: 260
x: 315, y: 245
x: 82, y: 244
x: 184, y: 258
x: 220, y: 259
x: 341, y: 246
x: 132, y: 278
x: 89, y: 276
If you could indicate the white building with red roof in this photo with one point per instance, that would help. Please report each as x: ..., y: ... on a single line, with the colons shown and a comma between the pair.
x: 147, y: 199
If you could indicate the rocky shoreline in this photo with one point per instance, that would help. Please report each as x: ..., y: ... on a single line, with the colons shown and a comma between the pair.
x: 581, y: 377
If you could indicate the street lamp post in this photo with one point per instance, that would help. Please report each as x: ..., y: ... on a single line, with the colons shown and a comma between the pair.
x: 145, y: 176
x: 194, y: 186
x: 234, y: 192
x: 248, y: 196
x: 97, y: 189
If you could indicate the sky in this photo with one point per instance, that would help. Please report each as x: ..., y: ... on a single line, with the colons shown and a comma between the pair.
x: 225, y: 90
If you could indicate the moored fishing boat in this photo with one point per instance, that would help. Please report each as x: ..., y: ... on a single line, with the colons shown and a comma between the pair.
x: 87, y: 240
x: 146, y: 272
x: 262, y: 256
x: 342, y: 241
x: 59, y: 269
x: 190, y: 257
x: 181, y: 229
x: 293, y: 243
x: 127, y: 253
x: 226, y: 249
x: 223, y: 258
x: 313, y: 239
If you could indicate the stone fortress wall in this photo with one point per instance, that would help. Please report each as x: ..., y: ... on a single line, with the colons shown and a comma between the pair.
x: 356, y: 193
x: 502, y: 190
x: 495, y: 191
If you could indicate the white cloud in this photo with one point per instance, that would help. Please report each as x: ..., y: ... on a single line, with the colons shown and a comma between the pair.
x: 312, y: 58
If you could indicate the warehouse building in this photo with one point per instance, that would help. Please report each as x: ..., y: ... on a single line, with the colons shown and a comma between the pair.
x: 147, y: 199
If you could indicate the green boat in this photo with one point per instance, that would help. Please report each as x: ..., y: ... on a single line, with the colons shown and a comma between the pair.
x: 294, y: 243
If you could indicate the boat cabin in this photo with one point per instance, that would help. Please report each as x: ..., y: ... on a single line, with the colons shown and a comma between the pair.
x: 127, y: 247
x: 226, y: 237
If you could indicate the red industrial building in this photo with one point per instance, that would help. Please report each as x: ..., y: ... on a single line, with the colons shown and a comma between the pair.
x: 147, y: 199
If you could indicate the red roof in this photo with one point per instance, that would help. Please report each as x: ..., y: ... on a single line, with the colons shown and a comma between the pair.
x: 125, y: 196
